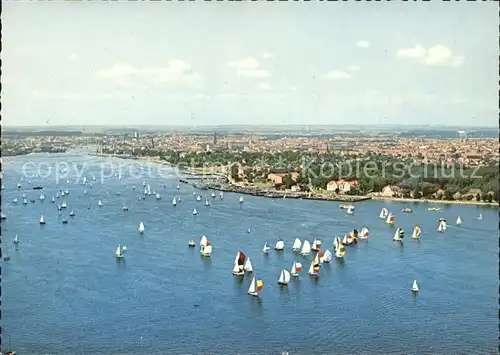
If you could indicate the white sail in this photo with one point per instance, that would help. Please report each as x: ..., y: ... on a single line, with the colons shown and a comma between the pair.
x: 416, y: 233
x: 248, y: 265
x: 266, y: 248
x: 311, y: 268
x: 344, y: 240
x: 459, y: 221
x: 203, y: 241
x: 178, y: 186
x: 118, y: 252
x: 174, y: 202
x: 42, y: 197
x: 364, y: 233
x: 252, y: 289
x: 195, y: 212
x: 198, y: 198
x: 306, y: 248
x: 16, y: 239
x: 480, y: 216
x: 414, y: 286
x: 64, y: 205
x: 207, y: 202
x: 241, y: 199
x: 280, y: 245
x: 296, y: 244
x: 349, y: 210
x: 327, y: 256
x: 42, y: 221
x: 441, y: 226
x: 296, y: 268
x: 383, y: 213
x: 158, y: 196
x: 396, y: 235
x: 221, y: 195
x: 284, y: 277
x: 141, y: 227
x: 99, y: 203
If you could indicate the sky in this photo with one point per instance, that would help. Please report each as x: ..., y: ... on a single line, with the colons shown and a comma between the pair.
x: 230, y: 63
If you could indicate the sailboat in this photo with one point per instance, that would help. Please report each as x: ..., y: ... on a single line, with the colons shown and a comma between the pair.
x: 284, y: 277
x: 306, y: 248
x: 296, y: 269
x: 241, y: 199
x: 239, y: 264
x: 15, y: 200
x: 72, y: 213
x: 53, y: 199
x: 398, y: 235
x: 178, y: 186
x: 248, y: 266
x: 316, y: 246
x: 314, y: 267
x: 266, y: 248
x: 350, y: 210
x: 206, y: 249
x: 383, y: 213
x: 442, y: 226
x: 390, y: 219
x: 213, y: 194
x: 340, y: 251
x: 42, y: 220
x: 63, y: 204
x: 191, y: 243
x: 255, y: 287
x: 296, y: 245
x: 480, y: 216
x: 99, y: 203
x: 198, y: 198
x: 280, y: 245
x: 119, y: 251
x: 221, y: 195
x: 414, y: 286
x: 25, y: 201
x: 336, y: 242
x: 141, y: 227
x: 16, y: 239
x: 143, y: 183
x: 416, y: 233
x: 174, y: 202
x: 327, y: 256
x: 158, y: 197
x: 195, y: 212
x: 459, y: 221
x: 364, y: 233
x: 207, y: 202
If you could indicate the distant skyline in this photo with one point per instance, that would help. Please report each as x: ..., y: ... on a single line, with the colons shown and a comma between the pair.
x: 249, y: 63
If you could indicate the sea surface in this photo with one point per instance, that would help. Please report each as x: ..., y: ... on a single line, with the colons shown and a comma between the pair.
x: 63, y: 291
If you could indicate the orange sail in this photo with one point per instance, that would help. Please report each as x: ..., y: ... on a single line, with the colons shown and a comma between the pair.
x: 260, y: 284
x: 298, y: 267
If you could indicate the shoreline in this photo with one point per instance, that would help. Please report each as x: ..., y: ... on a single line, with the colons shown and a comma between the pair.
x: 271, y: 193
x: 445, y: 202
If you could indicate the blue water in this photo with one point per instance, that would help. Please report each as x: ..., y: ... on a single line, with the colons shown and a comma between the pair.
x: 63, y: 292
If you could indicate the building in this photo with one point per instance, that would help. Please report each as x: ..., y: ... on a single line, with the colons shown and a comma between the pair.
x: 343, y: 186
x: 279, y: 179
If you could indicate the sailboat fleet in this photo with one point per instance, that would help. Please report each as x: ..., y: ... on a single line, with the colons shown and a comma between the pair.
x: 243, y: 265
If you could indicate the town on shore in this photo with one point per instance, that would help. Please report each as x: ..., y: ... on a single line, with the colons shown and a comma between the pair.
x: 418, y: 165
